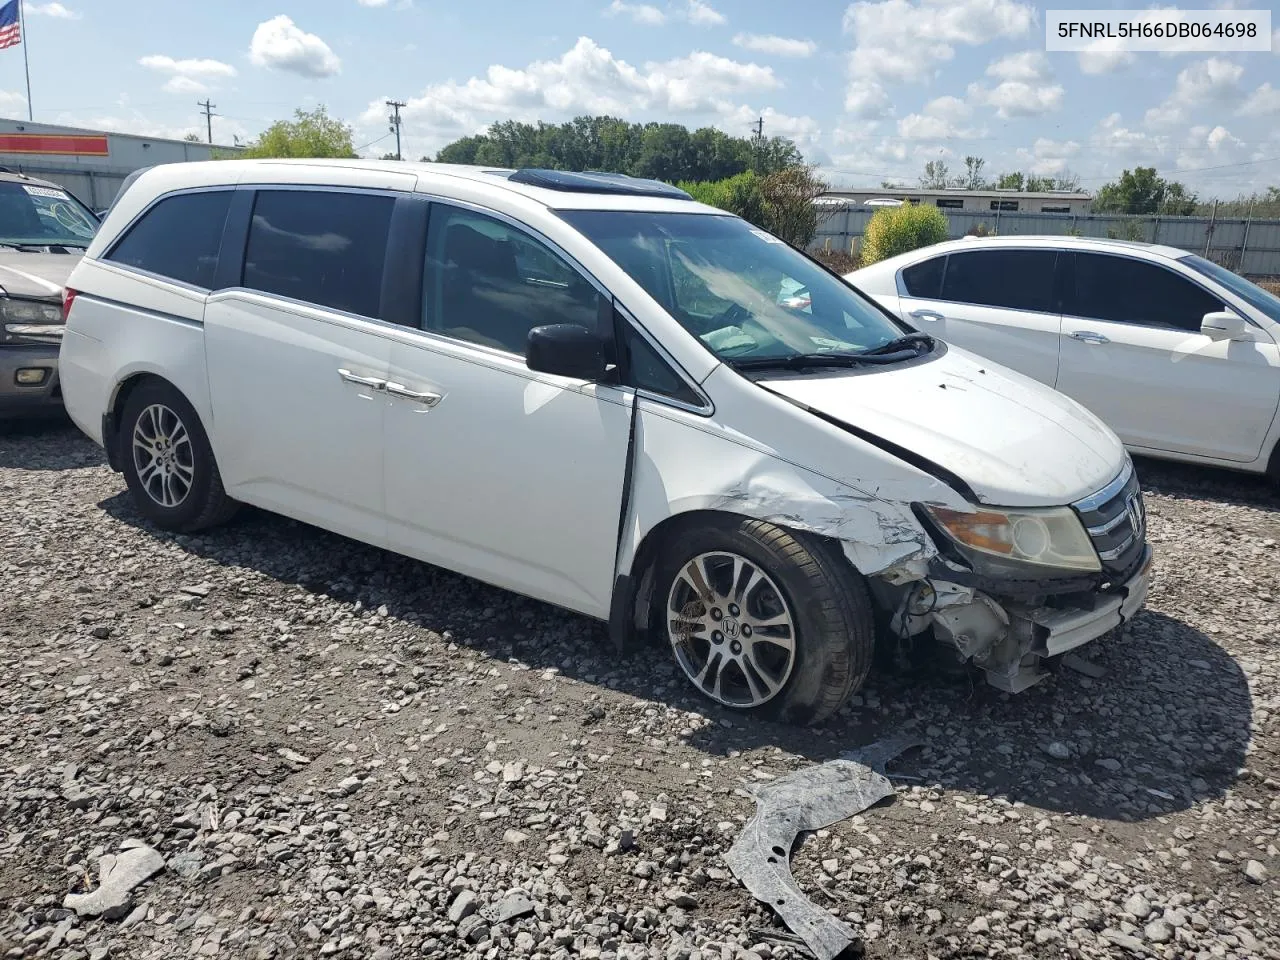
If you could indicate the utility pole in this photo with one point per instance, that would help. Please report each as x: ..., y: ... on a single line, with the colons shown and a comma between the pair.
x: 758, y: 139
x: 395, y: 106
x: 208, y: 117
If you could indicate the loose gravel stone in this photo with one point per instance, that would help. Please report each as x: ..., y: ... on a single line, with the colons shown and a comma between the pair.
x: 340, y: 752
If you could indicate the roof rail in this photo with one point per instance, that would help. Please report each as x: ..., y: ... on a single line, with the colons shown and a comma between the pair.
x: 592, y: 181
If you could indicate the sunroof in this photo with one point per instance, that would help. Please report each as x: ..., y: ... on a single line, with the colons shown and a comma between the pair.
x: 594, y: 182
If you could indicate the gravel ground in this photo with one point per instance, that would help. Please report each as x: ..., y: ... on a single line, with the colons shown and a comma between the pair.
x: 338, y: 752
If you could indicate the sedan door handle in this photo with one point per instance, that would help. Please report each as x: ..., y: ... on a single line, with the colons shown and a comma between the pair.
x: 425, y: 397
x: 1088, y: 336
x: 350, y: 377
x: 931, y: 315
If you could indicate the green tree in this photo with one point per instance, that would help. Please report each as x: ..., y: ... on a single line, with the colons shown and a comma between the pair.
x: 790, y: 213
x: 740, y: 194
x: 895, y: 230
x: 664, y: 151
x: 192, y: 138
x: 935, y: 176
x: 1142, y: 191
x: 309, y: 134
x: 1011, y: 181
x: 972, y: 178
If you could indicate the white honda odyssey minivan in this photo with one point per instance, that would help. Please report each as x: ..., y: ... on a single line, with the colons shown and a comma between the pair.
x: 594, y: 391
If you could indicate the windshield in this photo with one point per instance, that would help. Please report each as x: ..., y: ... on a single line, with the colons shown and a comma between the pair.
x: 743, y: 292
x: 32, y: 215
x: 1250, y: 293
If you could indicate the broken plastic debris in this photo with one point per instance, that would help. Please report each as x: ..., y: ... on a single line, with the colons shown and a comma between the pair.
x: 807, y: 800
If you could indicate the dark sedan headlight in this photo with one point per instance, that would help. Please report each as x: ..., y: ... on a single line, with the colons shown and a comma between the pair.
x: 30, y: 319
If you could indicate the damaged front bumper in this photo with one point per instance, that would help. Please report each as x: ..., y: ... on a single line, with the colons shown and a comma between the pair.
x: 1009, y: 638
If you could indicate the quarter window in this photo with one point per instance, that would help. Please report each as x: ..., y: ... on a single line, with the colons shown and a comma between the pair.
x: 489, y: 283
x: 319, y: 246
x: 646, y: 370
x: 1125, y: 290
x: 924, y: 279
x: 1012, y: 279
x: 178, y: 238
x: 1008, y: 206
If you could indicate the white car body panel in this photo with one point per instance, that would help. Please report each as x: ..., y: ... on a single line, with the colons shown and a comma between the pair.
x: 1169, y: 393
x: 511, y: 476
x: 291, y: 435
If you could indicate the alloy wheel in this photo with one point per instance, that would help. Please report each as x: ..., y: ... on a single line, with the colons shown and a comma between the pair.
x: 163, y: 456
x: 731, y: 629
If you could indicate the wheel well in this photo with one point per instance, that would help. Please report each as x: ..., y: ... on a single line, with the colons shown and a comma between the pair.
x: 642, y: 567
x: 111, y: 422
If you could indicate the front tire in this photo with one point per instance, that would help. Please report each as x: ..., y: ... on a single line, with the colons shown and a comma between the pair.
x: 168, y: 463
x: 763, y: 620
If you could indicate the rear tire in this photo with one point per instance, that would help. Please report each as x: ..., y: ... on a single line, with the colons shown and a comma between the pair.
x: 168, y: 463
x: 763, y: 620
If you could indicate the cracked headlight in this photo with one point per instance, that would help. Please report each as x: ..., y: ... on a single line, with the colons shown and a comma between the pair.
x: 1051, y: 537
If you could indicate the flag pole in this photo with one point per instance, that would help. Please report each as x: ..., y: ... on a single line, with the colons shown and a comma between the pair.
x: 26, y: 66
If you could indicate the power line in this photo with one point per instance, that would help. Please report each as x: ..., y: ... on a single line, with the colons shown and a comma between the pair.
x: 208, y: 116
x: 395, y: 106
x: 372, y: 142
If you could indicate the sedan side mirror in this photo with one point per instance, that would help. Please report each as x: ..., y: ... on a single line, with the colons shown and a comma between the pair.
x: 567, y: 350
x: 1223, y: 325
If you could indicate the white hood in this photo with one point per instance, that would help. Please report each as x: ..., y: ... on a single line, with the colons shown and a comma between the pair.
x: 1015, y: 441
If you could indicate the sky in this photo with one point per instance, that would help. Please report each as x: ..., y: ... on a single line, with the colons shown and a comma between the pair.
x: 869, y: 90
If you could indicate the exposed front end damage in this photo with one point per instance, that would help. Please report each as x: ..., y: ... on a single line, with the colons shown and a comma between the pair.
x: 1008, y: 637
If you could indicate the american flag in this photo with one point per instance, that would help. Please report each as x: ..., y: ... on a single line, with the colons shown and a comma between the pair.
x: 10, y: 31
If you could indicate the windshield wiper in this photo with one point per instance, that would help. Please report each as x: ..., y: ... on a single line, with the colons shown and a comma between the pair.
x: 899, y: 344
x: 803, y: 361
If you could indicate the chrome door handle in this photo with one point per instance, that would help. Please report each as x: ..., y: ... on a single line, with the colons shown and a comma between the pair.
x: 931, y: 315
x: 425, y: 397
x: 1088, y: 336
x: 350, y: 377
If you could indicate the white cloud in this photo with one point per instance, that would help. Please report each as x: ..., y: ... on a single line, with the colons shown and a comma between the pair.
x: 53, y: 9
x: 1265, y: 100
x: 940, y: 119
x: 1208, y: 146
x: 280, y: 44
x: 373, y: 3
x: 1026, y: 89
x: 1104, y: 56
x: 1048, y: 157
x: 804, y: 130
x: 11, y: 101
x: 778, y: 46
x: 1112, y: 138
x: 639, y: 12
x: 897, y: 40
x: 704, y: 15
x: 585, y: 79
x: 188, y: 76
x: 866, y: 100
x: 1205, y: 81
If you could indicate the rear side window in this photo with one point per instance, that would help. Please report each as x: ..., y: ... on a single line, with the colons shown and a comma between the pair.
x: 319, y: 246
x: 178, y: 238
x: 1134, y: 291
x: 924, y: 279
x: 1012, y: 279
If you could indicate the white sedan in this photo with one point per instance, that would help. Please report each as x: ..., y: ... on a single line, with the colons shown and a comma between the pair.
x: 1176, y: 354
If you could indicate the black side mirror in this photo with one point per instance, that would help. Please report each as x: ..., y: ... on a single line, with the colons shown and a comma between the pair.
x: 568, y: 350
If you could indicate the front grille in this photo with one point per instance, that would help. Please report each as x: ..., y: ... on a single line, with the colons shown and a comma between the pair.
x: 1116, y: 519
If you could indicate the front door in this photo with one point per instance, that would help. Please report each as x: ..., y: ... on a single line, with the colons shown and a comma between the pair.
x: 1132, y: 352
x: 296, y: 361
x: 495, y: 471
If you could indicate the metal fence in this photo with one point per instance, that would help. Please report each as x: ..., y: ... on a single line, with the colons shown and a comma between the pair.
x: 1249, y: 247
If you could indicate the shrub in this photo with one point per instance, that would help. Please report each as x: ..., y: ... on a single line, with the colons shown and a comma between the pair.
x: 780, y: 202
x: 895, y: 230
x: 741, y: 195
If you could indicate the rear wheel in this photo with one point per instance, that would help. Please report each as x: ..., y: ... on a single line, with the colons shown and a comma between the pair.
x: 763, y: 621
x: 167, y: 462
